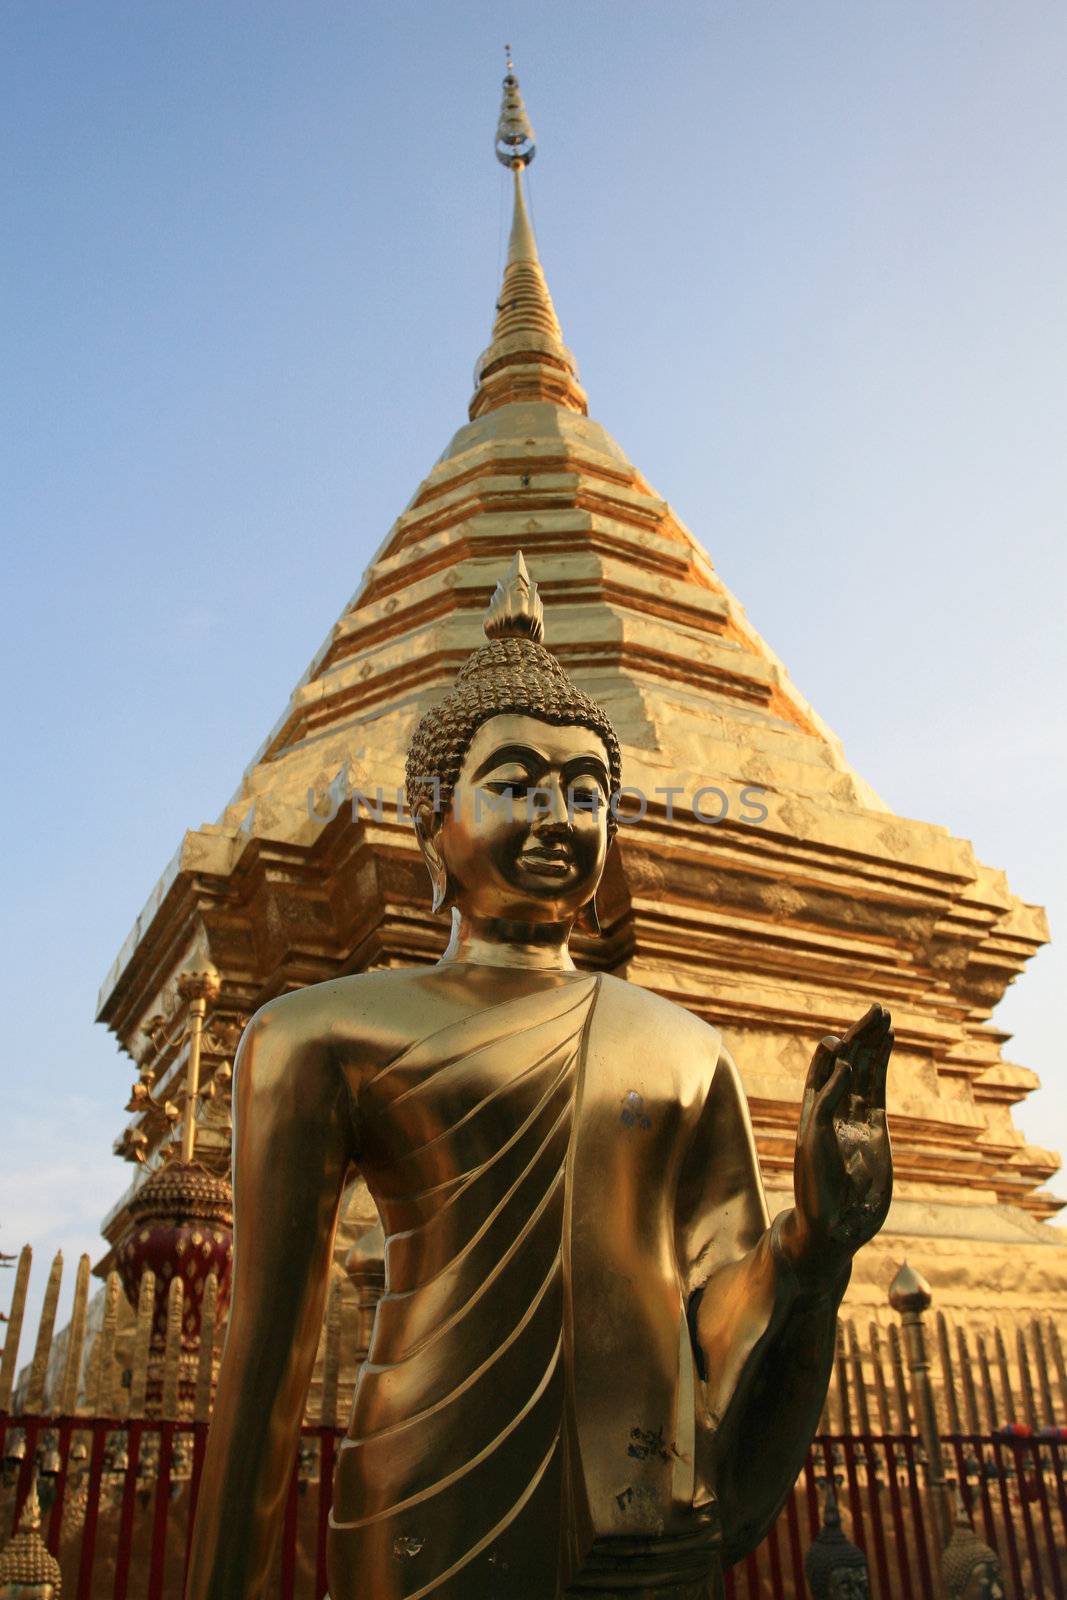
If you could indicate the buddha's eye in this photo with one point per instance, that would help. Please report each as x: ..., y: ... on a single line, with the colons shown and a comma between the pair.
x: 511, y: 788
x: 586, y: 799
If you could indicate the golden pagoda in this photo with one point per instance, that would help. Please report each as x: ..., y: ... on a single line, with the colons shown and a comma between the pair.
x: 764, y: 885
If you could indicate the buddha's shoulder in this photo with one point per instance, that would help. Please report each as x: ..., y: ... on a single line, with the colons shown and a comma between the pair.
x: 321, y: 1010
x: 653, y: 1017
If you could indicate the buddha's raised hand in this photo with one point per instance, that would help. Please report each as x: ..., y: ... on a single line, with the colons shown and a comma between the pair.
x: 843, y: 1168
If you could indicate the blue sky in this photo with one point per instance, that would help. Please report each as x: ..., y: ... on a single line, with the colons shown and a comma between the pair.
x: 811, y: 260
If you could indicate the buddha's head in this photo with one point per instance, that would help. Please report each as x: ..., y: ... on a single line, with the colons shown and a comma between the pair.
x: 27, y: 1570
x: 969, y: 1568
x: 510, y: 777
x: 835, y: 1568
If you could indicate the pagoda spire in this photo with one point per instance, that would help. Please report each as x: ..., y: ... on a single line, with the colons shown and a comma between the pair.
x: 527, y: 359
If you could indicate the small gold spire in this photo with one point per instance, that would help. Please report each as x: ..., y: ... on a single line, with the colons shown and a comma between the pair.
x: 515, y: 611
x: 515, y: 145
x: 527, y: 359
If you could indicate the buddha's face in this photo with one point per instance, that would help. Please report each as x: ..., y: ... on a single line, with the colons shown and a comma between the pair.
x: 984, y: 1583
x: 848, y: 1583
x: 526, y: 835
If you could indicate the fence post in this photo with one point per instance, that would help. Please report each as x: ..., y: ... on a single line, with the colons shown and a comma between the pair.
x: 141, y: 1340
x: 172, y: 1351
x: 35, y: 1393
x: 910, y: 1297
x: 1048, y: 1405
x: 9, y: 1363
x: 102, y: 1375
x: 69, y: 1389
x: 205, y: 1366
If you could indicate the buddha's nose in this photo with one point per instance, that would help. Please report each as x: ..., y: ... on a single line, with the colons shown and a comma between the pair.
x: 551, y: 809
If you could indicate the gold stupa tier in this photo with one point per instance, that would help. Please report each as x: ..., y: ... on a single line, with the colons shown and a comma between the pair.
x: 776, y: 929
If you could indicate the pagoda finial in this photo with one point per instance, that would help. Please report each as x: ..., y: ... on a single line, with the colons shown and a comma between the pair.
x: 515, y: 145
x: 527, y: 359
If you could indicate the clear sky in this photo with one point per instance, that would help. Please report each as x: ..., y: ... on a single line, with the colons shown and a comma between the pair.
x: 811, y: 259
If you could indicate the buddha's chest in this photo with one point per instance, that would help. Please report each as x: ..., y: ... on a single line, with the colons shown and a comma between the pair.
x: 564, y: 1062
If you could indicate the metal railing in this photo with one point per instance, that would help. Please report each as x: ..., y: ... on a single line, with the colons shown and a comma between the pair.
x: 118, y: 1499
x: 114, y: 1419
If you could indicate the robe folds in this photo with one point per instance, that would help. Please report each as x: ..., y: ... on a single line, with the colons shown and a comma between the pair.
x: 532, y: 1420
x: 461, y: 1468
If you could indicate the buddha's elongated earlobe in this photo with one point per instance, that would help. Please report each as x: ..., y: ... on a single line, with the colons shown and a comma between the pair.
x: 442, y: 895
x: 442, y: 890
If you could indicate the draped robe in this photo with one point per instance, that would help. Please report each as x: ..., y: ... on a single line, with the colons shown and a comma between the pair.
x: 534, y: 1412
x: 461, y: 1449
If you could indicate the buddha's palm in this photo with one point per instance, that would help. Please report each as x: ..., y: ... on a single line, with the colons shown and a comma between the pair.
x: 843, y: 1170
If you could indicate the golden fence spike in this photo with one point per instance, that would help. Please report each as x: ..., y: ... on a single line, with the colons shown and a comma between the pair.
x: 880, y: 1388
x: 841, y: 1375
x: 331, y: 1363
x: 93, y: 1370
x: 1056, y: 1346
x: 92, y: 1376
x: 172, y: 1350
x: 900, y: 1382
x: 68, y: 1397
x: 9, y: 1363
x: 1006, y: 1394
x: 987, y: 1385
x: 1026, y: 1380
x: 142, y: 1339
x: 206, y: 1356
x: 970, y: 1393
x: 859, y: 1382
x: 101, y: 1390
x: 948, y: 1376
x: 45, y: 1328
x: 1037, y: 1339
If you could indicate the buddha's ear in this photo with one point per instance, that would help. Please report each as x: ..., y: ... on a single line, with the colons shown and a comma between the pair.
x: 428, y: 833
x: 587, y: 918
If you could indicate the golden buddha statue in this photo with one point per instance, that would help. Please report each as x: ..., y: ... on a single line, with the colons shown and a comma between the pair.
x: 27, y: 1569
x: 835, y: 1568
x: 970, y: 1570
x: 595, y: 1368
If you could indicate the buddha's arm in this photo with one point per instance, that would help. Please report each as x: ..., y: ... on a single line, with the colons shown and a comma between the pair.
x: 292, y: 1150
x: 763, y: 1336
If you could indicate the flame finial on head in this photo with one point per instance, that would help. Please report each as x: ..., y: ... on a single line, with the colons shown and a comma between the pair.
x: 515, y: 611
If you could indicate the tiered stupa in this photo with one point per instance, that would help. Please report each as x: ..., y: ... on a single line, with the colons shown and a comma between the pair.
x: 777, y: 930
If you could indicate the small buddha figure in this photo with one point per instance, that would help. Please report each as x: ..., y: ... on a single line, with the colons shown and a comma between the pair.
x: 596, y: 1366
x: 970, y: 1570
x: 27, y: 1570
x: 835, y: 1568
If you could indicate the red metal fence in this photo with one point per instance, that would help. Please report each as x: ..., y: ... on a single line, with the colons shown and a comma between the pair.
x: 118, y: 1499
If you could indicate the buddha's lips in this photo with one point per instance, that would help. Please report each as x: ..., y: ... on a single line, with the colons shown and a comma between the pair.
x: 553, y: 861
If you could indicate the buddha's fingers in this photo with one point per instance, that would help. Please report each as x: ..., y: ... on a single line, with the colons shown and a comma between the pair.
x: 833, y: 1091
x: 822, y: 1064
x: 862, y: 1044
x: 879, y: 1074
